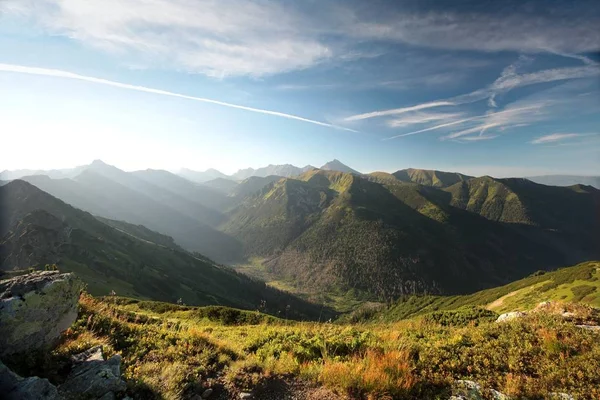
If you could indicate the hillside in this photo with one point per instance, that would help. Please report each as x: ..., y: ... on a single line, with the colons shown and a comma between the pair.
x: 430, y: 177
x: 223, y: 185
x: 158, y: 200
x: 580, y: 283
x: 342, y: 233
x: 175, y: 352
x: 37, y: 228
x: 252, y: 185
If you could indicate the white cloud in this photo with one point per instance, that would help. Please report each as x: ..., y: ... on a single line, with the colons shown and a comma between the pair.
x: 256, y: 38
x: 421, y: 118
x: 497, y: 116
x: 69, y: 75
x: 397, y: 111
x: 213, y: 37
x: 555, y: 137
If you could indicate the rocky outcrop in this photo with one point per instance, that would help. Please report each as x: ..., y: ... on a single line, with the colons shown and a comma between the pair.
x: 14, y: 387
x: 93, y: 377
x: 511, y: 316
x: 35, y: 309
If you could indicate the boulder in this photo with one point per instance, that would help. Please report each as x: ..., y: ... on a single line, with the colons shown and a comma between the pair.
x: 35, y: 309
x: 93, y: 377
x: 14, y: 387
x: 511, y: 316
x: 469, y: 390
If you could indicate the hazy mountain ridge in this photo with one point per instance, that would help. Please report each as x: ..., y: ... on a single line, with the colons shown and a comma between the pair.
x: 566, y: 180
x: 381, y: 234
x: 106, y: 258
x: 109, y: 192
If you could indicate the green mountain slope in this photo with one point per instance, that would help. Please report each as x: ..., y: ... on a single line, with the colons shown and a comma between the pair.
x: 580, y: 283
x: 376, y: 235
x: 252, y: 185
x: 430, y: 177
x: 37, y: 228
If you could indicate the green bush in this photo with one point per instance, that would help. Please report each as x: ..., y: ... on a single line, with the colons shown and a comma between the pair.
x: 461, y: 317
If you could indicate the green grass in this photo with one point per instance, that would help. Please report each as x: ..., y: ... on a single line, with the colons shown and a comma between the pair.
x: 577, y: 283
x: 173, y: 352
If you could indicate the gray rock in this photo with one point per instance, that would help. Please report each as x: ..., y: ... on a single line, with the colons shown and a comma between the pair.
x: 561, y: 396
x: 468, y: 390
x: 592, y: 328
x: 35, y: 309
x: 206, y: 394
x: 496, y: 395
x: 14, y: 387
x: 246, y: 396
x: 511, y: 316
x: 93, y: 377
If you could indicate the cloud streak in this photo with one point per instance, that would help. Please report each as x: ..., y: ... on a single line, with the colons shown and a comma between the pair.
x: 397, y: 111
x: 555, y: 137
x: 462, y: 121
x: 70, y: 75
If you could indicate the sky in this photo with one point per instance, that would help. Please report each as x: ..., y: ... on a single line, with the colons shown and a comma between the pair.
x: 507, y: 88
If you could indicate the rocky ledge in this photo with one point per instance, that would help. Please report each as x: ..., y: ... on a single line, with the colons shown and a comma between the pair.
x: 35, y: 309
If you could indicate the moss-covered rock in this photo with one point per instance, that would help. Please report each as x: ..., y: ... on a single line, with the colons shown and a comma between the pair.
x: 35, y: 309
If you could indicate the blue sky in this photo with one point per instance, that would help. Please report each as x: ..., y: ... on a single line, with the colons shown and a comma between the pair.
x: 500, y: 88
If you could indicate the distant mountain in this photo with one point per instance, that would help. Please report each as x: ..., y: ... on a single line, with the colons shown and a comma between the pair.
x: 253, y: 184
x: 37, y: 228
x: 52, y: 173
x: 336, y: 165
x: 286, y: 170
x: 222, y: 185
x: 337, y: 231
x: 430, y: 177
x: 566, y: 180
x: 158, y: 200
x: 201, y: 176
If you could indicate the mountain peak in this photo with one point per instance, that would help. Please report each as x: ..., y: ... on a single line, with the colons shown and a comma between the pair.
x: 337, y: 165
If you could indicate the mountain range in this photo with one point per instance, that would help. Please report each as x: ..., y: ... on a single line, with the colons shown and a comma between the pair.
x: 37, y: 228
x: 379, y: 236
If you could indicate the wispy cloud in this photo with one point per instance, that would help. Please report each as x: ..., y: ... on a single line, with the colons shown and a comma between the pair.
x: 256, y: 38
x: 418, y: 118
x: 69, y: 75
x: 464, y: 120
x: 397, y: 111
x: 556, y: 137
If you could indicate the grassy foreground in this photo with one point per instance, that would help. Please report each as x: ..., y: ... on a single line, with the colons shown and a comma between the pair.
x: 175, y: 352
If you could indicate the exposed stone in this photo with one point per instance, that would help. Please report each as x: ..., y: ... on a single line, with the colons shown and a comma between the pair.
x: 35, y: 309
x: 496, y: 395
x: 246, y: 396
x: 93, y: 377
x: 206, y: 394
x: 468, y: 390
x: 511, y: 316
x: 561, y: 396
x: 14, y: 387
x: 593, y: 328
